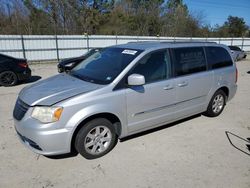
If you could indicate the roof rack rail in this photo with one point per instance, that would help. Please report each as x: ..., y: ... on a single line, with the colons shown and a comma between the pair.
x: 142, y: 41
x: 188, y: 41
x: 174, y: 41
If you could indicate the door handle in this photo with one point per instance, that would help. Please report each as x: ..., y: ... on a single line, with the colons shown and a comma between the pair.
x: 168, y: 87
x: 183, y: 84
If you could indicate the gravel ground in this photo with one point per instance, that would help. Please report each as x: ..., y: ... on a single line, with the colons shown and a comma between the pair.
x: 192, y: 153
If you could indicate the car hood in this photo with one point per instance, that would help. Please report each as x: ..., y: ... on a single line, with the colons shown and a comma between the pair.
x: 55, y: 89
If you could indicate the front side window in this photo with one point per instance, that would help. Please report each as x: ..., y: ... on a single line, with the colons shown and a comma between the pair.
x: 103, y: 66
x: 154, y: 66
x: 189, y: 60
x: 218, y: 57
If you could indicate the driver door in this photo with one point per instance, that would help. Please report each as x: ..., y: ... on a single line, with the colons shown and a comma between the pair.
x: 154, y: 102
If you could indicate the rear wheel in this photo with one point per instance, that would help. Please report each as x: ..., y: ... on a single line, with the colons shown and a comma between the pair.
x: 8, y: 78
x: 96, y: 138
x: 217, y: 104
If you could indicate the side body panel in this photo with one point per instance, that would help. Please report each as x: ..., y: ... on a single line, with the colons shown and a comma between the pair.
x: 150, y: 105
x: 192, y: 92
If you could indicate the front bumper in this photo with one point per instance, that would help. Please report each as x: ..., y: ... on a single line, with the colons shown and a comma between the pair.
x: 41, y: 138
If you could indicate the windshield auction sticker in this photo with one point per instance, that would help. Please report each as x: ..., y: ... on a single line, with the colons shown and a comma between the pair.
x: 130, y: 52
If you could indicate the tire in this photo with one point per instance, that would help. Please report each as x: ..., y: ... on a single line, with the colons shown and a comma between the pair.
x: 8, y: 78
x: 216, y: 104
x: 96, y: 138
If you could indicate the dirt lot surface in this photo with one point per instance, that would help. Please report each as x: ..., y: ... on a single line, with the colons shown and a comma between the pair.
x: 191, y: 153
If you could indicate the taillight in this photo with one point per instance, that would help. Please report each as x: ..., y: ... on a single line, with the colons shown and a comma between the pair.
x: 236, y: 75
x: 23, y: 64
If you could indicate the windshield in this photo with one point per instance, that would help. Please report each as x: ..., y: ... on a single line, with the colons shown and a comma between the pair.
x: 92, y: 51
x: 103, y: 66
x: 236, y: 48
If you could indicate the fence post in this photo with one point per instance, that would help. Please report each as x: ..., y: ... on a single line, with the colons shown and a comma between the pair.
x: 115, y: 39
x: 87, y: 35
x: 23, y: 48
x: 219, y: 40
x: 57, y: 50
x: 242, y: 44
x: 232, y: 41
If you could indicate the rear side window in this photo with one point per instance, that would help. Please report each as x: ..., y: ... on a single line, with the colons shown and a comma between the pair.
x: 218, y: 57
x: 189, y: 60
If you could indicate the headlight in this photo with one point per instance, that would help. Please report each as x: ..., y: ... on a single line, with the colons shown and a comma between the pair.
x: 47, y: 114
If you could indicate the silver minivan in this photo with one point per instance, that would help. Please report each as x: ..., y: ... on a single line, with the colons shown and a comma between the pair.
x: 122, y: 90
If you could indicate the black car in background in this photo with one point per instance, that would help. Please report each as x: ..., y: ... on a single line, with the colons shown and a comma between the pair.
x: 66, y: 65
x: 13, y: 70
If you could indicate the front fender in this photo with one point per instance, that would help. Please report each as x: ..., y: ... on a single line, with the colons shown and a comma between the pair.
x: 96, y: 109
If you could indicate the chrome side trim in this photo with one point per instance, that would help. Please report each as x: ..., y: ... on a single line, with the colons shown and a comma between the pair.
x: 163, y: 107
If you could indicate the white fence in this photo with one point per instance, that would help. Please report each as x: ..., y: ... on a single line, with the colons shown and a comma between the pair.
x: 48, y: 47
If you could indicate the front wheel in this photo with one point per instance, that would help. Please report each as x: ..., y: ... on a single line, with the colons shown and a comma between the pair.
x: 217, y: 104
x: 96, y: 138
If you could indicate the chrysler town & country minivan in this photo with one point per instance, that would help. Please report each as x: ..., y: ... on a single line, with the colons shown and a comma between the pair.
x: 122, y: 90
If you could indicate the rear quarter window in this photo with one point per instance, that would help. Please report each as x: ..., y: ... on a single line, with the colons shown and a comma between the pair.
x: 218, y: 57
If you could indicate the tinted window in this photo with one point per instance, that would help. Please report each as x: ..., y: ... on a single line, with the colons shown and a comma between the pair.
x: 154, y: 66
x: 103, y: 66
x: 218, y: 57
x: 189, y: 60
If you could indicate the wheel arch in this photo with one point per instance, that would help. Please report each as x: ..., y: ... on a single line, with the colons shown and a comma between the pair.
x: 109, y: 116
x: 225, y: 89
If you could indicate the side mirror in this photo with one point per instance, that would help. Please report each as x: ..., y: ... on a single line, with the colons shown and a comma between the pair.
x: 136, y: 80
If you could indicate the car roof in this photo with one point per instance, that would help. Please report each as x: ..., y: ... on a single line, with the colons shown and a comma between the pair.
x: 147, y: 45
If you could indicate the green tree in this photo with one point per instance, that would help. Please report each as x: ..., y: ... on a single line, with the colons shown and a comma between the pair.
x: 121, y: 17
x: 177, y: 21
x: 236, y: 26
x: 233, y: 27
x: 173, y: 5
x: 38, y: 20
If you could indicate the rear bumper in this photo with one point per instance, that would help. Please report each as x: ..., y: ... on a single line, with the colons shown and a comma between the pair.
x: 24, y: 75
